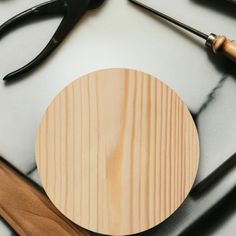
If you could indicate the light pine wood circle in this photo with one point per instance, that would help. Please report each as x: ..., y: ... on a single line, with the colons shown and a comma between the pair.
x: 117, y: 151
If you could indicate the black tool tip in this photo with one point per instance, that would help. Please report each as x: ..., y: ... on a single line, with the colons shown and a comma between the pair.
x: 9, y: 77
x: 6, y: 78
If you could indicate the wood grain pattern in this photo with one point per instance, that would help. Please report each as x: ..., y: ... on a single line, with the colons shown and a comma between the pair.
x: 28, y: 210
x: 117, y: 151
x: 225, y: 46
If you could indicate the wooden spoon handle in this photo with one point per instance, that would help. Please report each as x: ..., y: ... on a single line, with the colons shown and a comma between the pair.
x: 226, y: 46
x: 27, y: 209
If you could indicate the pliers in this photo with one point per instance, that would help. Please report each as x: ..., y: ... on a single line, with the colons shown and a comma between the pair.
x: 72, y: 10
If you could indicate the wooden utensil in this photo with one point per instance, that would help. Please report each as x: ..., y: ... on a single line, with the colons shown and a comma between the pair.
x: 117, y: 151
x: 27, y: 209
x: 218, y: 43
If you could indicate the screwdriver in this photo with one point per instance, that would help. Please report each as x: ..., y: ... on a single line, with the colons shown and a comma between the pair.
x: 218, y: 43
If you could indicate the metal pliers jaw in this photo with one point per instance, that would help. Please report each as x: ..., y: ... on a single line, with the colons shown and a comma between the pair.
x: 72, y: 10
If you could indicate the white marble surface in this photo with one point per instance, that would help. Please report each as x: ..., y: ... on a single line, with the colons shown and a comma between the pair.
x: 120, y: 35
x: 117, y: 35
x: 4, y: 230
x: 217, y: 128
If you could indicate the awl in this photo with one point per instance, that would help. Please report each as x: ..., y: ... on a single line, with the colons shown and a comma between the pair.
x: 218, y: 43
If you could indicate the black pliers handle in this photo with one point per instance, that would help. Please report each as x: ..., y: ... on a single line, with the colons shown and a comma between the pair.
x: 72, y: 10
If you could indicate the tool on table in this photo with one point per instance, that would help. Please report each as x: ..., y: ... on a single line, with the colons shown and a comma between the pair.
x: 27, y: 209
x: 72, y: 10
x: 218, y: 43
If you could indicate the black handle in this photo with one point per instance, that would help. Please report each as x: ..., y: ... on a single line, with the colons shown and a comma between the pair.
x: 40, y: 10
x: 72, y: 10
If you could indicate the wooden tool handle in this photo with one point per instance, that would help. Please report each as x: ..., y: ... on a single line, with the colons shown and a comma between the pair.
x: 27, y: 209
x: 226, y: 46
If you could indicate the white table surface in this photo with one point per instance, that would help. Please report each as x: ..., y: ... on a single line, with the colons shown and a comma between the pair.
x: 120, y: 35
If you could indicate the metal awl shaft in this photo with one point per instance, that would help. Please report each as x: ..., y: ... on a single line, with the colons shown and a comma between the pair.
x: 217, y: 43
x: 176, y: 22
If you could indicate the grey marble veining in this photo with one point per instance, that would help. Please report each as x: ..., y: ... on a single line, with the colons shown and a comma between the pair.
x: 120, y: 35
x: 217, y: 128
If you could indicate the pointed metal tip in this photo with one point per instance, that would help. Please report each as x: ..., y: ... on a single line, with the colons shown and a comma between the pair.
x: 9, y: 77
x: 6, y: 78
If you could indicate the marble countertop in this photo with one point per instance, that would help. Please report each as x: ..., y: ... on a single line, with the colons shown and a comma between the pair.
x: 121, y: 35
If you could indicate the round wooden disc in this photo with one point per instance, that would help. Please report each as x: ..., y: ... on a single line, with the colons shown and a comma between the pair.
x: 117, y: 151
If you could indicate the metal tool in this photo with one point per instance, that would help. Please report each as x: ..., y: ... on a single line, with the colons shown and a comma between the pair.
x: 218, y: 43
x: 72, y: 10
